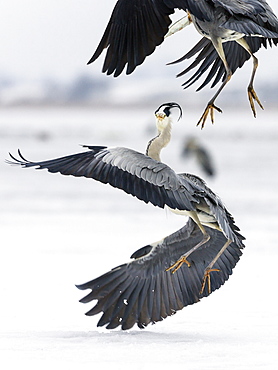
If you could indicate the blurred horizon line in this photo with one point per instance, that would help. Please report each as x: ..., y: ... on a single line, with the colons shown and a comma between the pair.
x: 87, y: 90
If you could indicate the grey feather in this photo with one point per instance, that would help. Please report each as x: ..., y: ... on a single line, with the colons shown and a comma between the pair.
x: 145, y: 293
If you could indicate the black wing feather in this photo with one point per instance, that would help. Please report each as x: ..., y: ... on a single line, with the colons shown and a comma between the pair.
x: 159, y: 190
x: 208, y: 58
x: 137, y: 27
x: 127, y: 39
x: 145, y: 292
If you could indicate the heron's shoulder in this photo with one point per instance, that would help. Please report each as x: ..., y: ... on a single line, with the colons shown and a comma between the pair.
x: 200, y: 186
x: 247, y: 8
x: 193, y: 178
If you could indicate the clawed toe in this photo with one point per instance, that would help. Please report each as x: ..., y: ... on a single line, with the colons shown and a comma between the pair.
x: 209, y: 109
x: 252, y: 96
x: 206, y: 279
x: 178, y: 264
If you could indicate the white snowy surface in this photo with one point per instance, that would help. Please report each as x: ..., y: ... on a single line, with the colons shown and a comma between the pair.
x: 59, y: 231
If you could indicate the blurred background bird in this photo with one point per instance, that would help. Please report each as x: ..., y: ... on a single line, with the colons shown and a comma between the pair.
x: 193, y: 148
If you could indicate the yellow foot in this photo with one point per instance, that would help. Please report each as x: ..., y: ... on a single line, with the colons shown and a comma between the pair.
x: 207, y: 279
x: 252, y: 96
x: 178, y: 264
x: 209, y: 109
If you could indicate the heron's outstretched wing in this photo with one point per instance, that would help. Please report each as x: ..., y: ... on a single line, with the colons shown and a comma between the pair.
x: 208, y: 58
x: 136, y: 28
x: 126, y: 169
x: 142, y: 291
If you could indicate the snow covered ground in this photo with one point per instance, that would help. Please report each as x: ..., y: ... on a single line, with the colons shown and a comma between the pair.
x: 57, y: 232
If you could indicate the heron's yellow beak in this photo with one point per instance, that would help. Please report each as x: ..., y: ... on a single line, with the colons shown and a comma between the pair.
x: 160, y: 116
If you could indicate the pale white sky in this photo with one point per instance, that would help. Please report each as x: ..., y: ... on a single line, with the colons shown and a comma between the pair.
x: 56, y: 38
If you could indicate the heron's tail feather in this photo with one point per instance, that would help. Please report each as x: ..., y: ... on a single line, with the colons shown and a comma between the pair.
x: 207, y: 59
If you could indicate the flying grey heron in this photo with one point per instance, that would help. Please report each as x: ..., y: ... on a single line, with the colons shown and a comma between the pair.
x: 194, y: 148
x: 209, y: 243
x: 137, y: 27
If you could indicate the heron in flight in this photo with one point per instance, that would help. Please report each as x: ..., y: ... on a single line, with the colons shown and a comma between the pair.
x: 209, y: 243
x: 137, y: 27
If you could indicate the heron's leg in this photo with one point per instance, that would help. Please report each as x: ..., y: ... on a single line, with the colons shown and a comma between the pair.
x: 217, y: 43
x: 179, y: 25
x: 252, y: 96
x: 183, y: 258
x: 209, y: 268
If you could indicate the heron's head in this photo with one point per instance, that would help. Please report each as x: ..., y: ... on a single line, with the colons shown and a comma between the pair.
x: 163, y: 114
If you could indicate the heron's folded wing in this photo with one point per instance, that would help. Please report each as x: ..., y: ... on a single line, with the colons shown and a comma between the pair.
x: 215, y: 207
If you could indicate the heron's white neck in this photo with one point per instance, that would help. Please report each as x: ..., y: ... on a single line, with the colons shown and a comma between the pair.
x: 160, y: 141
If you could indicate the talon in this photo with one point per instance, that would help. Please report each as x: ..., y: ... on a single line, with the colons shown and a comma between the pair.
x: 178, y: 264
x: 209, y: 109
x: 252, y: 96
x: 206, y: 278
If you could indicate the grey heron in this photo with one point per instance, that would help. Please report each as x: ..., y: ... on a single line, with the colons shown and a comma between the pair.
x: 209, y: 242
x: 192, y: 147
x: 137, y: 27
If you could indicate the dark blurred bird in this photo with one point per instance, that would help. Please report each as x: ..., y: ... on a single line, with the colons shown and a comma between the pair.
x: 209, y: 244
x: 232, y: 30
x: 193, y: 148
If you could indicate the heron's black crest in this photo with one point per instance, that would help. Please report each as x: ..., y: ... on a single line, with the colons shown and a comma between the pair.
x: 167, y: 108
